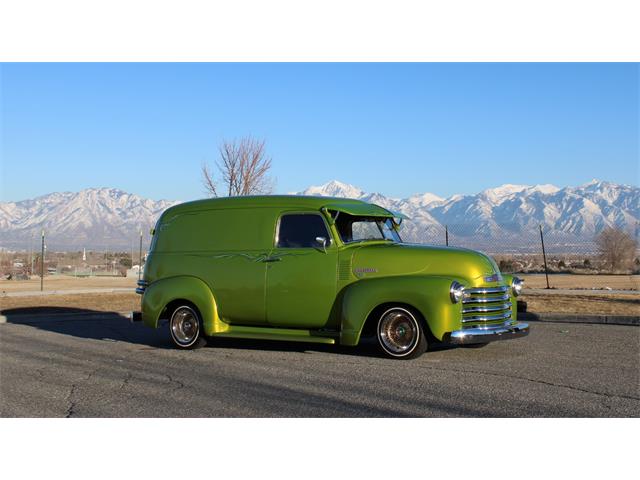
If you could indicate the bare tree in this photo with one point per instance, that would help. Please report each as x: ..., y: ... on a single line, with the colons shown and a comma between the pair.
x: 243, y: 168
x: 617, y: 248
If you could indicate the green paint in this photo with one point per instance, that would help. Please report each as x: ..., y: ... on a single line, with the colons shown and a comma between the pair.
x: 221, y: 255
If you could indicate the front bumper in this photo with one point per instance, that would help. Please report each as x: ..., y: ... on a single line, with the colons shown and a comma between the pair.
x: 469, y: 336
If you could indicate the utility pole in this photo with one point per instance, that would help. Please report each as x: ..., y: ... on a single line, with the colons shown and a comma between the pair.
x: 544, y: 256
x: 30, y: 250
x: 446, y: 234
x: 42, y: 263
x: 140, y: 264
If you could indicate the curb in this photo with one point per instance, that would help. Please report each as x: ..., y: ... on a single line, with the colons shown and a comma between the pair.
x: 580, y: 318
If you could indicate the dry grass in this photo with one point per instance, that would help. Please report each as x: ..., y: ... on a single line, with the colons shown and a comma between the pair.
x: 63, y: 282
x: 615, y: 282
x: 613, y: 304
x: 103, y: 302
x: 562, y: 281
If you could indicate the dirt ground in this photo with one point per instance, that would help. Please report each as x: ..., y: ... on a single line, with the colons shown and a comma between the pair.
x: 614, y: 282
x: 63, y: 282
x: 102, y: 302
x: 611, y: 304
x: 559, y: 281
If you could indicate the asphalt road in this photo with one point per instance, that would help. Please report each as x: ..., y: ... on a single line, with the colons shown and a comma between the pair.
x: 102, y: 366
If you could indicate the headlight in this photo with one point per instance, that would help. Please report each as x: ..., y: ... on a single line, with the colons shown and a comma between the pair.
x: 516, y: 285
x: 456, y: 292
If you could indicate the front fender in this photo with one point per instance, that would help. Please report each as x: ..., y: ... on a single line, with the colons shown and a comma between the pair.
x: 429, y: 295
x: 162, y: 292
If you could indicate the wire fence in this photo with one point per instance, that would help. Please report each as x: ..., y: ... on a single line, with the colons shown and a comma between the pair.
x: 58, y: 255
x: 516, y: 249
x: 523, y: 250
x: 500, y: 240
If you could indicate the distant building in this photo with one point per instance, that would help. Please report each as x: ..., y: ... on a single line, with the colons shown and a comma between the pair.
x: 133, y: 271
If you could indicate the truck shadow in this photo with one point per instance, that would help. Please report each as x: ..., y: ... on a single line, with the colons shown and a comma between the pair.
x: 113, y: 326
x: 366, y: 348
x: 87, y: 324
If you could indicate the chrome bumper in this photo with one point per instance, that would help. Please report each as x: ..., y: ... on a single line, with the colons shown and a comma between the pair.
x: 491, y: 334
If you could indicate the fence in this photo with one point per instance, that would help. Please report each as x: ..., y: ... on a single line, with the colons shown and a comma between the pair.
x: 516, y: 249
x: 519, y: 249
x: 60, y: 255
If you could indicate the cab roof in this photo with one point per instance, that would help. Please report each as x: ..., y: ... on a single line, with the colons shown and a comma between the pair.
x: 348, y: 205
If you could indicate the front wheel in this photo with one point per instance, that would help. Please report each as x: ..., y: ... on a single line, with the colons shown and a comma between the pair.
x: 400, y: 334
x: 185, y: 326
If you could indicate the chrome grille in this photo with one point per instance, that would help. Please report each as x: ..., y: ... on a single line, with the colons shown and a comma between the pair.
x: 485, y: 307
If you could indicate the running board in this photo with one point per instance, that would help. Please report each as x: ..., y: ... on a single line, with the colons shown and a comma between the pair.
x: 284, y: 334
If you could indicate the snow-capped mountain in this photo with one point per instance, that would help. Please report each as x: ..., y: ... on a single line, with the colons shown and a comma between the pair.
x: 334, y: 188
x: 92, y: 218
x: 501, y: 217
x: 509, y: 212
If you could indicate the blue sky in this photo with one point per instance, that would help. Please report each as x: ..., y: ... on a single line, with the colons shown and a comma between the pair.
x: 394, y: 128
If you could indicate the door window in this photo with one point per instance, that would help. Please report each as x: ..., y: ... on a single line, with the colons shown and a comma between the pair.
x: 301, y: 230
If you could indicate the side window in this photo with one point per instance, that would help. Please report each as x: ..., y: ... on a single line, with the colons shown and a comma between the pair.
x: 300, y: 230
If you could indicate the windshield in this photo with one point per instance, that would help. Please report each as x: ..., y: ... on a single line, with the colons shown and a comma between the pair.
x: 360, y: 229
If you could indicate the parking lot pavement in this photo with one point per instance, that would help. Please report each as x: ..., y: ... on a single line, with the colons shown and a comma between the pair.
x: 103, y: 366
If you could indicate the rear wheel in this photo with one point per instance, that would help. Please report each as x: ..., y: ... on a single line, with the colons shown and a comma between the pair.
x: 185, y: 327
x: 400, y: 334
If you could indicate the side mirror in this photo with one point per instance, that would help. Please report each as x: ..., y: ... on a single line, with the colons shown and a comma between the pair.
x: 322, y: 241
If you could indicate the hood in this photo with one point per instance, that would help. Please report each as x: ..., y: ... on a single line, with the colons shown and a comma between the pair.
x: 381, y: 260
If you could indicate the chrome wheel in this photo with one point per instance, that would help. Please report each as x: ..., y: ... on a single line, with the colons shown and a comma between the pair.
x: 185, y: 326
x: 398, y: 332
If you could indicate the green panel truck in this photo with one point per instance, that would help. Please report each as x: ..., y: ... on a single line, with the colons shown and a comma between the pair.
x: 317, y: 269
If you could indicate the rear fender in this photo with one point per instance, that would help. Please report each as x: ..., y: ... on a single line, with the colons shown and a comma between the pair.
x: 162, y: 292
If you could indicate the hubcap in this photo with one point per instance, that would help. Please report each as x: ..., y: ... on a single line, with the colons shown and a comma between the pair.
x: 184, y: 325
x: 398, y: 331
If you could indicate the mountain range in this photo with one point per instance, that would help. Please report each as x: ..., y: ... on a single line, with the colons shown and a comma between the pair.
x: 96, y: 218
x: 503, y: 217
x: 507, y: 217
